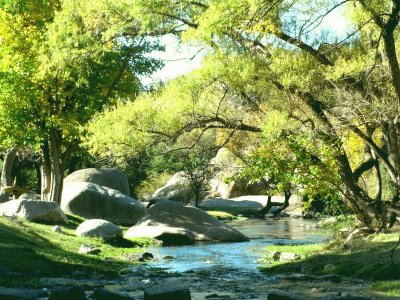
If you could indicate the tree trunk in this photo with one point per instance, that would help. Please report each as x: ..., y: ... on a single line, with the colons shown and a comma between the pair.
x: 45, y: 172
x: 52, y: 173
x: 6, y: 179
x: 56, y: 172
x: 285, y: 204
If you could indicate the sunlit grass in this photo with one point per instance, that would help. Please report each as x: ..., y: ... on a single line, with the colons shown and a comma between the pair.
x: 35, y: 250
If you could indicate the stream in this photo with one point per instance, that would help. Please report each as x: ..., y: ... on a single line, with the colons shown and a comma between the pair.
x: 229, y: 270
x: 242, y: 257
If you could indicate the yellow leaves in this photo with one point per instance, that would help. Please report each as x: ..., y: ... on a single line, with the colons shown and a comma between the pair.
x: 265, y: 26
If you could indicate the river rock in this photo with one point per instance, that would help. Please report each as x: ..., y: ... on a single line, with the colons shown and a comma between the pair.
x: 167, y: 216
x: 67, y: 293
x: 104, y: 294
x: 167, y: 291
x: 20, y: 293
x: 108, y: 177
x: 93, y: 201
x: 34, y: 211
x: 282, y: 295
x: 176, y: 189
x: 99, y: 228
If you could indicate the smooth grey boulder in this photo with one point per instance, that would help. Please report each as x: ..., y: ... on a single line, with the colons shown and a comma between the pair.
x: 93, y: 201
x: 99, y: 228
x: 170, y: 236
x: 176, y: 189
x: 171, y: 216
x: 29, y: 196
x: 108, y: 177
x: 34, y: 211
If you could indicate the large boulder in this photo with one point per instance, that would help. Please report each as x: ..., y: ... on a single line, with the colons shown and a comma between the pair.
x: 34, y: 211
x: 167, y: 215
x: 229, y: 165
x: 250, y: 204
x: 93, y: 201
x: 177, y: 189
x: 111, y: 178
x: 99, y: 228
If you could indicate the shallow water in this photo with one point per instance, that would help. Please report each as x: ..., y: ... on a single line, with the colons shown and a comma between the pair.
x: 238, y: 256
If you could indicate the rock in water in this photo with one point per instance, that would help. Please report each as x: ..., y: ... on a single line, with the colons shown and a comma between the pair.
x: 173, y: 217
x: 67, y: 293
x: 282, y: 295
x: 104, y: 294
x: 167, y: 291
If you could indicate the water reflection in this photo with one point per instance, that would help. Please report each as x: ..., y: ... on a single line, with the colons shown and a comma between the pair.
x: 240, y: 256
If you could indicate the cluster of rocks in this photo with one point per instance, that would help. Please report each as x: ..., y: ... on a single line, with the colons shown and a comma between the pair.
x: 102, y: 197
x: 158, y: 292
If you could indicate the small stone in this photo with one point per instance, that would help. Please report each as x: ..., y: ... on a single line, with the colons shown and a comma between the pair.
x: 329, y: 268
x: 86, y: 249
x: 285, y: 256
x: 146, y: 256
x: 329, y: 277
x: 282, y: 295
x: 146, y: 281
x: 18, y: 293
x: 168, y: 257
x: 57, y: 229
x: 212, y: 296
x: 67, y: 293
x: 318, y: 290
x: 276, y: 255
x: 104, y: 294
x: 167, y: 291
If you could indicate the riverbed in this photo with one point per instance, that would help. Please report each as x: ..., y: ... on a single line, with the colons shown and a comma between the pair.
x: 230, y: 270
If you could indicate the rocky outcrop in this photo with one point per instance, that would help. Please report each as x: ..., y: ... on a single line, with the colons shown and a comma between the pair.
x: 107, y: 177
x: 176, y: 189
x: 34, y: 211
x: 172, y: 216
x: 99, y: 228
x: 93, y: 201
x: 230, y: 165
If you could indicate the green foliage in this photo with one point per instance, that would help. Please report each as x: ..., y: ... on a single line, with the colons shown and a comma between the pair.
x: 291, y: 158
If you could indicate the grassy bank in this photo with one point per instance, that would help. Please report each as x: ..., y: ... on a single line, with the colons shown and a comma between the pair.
x: 366, y: 258
x: 36, y: 251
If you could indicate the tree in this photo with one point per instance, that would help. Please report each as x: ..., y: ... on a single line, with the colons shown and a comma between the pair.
x: 60, y: 62
x: 332, y: 87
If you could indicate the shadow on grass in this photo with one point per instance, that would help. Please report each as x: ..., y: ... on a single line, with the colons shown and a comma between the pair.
x: 29, y: 252
x: 365, y: 260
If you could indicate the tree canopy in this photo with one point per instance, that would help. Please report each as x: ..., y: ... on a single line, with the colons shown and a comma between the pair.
x: 274, y: 56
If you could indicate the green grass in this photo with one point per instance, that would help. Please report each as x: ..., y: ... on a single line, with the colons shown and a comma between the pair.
x: 387, y: 288
x: 364, y: 258
x: 221, y: 215
x: 36, y: 251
